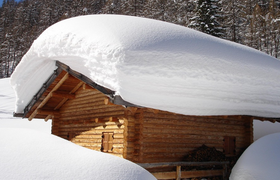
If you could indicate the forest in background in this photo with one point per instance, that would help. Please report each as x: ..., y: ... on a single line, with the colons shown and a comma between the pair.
x: 254, y: 23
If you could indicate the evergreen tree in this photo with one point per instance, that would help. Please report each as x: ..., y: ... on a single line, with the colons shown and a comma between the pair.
x: 255, y: 23
x: 208, y: 17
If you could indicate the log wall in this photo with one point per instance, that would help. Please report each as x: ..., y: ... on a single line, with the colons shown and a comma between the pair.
x: 167, y: 137
x: 83, y: 120
x: 145, y: 135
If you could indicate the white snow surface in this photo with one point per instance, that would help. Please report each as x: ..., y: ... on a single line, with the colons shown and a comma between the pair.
x: 29, y: 154
x: 260, y: 161
x: 7, y: 106
x: 155, y: 64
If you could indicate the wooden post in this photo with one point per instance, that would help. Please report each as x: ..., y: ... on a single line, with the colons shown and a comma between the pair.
x: 225, y: 171
x: 178, y: 172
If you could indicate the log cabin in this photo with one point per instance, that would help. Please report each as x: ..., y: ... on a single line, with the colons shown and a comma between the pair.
x: 87, y: 111
x: 89, y: 115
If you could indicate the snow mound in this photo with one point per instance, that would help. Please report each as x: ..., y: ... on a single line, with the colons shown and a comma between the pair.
x: 260, y: 161
x: 27, y: 154
x: 155, y: 64
x: 7, y: 106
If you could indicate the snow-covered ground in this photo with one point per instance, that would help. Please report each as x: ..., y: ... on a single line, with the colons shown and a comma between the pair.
x: 260, y: 161
x: 29, y: 151
x: 7, y: 106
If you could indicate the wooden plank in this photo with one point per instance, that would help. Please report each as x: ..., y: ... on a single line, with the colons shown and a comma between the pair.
x: 63, y: 95
x: 84, y: 102
x: 188, y: 174
x: 82, y: 93
x: 171, y: 120
x: 173, y: 123
x: 178, y: 173
x: 47, y: 112
x: 86, y: 107
x: 91, y: 114
x: 65, y: 77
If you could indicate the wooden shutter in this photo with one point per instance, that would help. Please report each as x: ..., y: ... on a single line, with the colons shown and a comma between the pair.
x: 107, y: 142
x: 229, y: 145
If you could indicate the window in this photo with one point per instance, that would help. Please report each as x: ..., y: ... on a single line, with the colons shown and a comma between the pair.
x: 107, y: 142
x: 229, y: 145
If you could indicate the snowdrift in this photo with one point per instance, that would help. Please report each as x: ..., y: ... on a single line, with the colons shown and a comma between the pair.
x: 155, y: 64
x: 260, y: 161
x: 7, y: 106
x: 28, y: 154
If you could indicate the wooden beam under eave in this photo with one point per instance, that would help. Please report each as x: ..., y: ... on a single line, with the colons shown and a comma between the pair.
x: 35, y: 112
x: 50, y: 116
x: 63, y: 95
x: 47, y: 112
x: 71, y: 92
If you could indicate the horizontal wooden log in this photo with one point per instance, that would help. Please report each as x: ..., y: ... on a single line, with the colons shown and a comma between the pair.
x: 87, y: 92
x: 91, y: 140
x: 89, y: 110
x: 174, y: 119
x: 173, y: 122
x: 212, y: 127
x: 183, y: 150
x: 172, y: 133
x: 92, y: 115
x: 97, y: 131
x: 198, y: 139
x: 163, y: 113
x: 63, y: 95
x: 189, y: 174
x: 90, y: 123
x: 88, y: 145
x: 82, y: 123
x: 164, y: 156
x: 196, y: 130
x: 96, y: 97
x: 181, y: 163
x: 89, y: 104
x: 48, y: 112
x: 168, y: 115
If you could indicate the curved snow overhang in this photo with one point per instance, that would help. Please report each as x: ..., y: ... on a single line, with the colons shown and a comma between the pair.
x: 115, y: 99
x: 30, y: 111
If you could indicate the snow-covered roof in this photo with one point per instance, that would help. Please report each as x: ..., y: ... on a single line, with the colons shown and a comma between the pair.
x: 155, y: 64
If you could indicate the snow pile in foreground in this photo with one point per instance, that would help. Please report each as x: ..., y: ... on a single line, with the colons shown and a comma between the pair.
x: 155, y: 64
x: 27, y: 154
x: 7, y: 106
x: 260, y: 161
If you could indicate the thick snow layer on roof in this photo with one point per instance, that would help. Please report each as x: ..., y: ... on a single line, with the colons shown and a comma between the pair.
x: 155, y: 64
x: 38, y: 155
x: 260, y: 161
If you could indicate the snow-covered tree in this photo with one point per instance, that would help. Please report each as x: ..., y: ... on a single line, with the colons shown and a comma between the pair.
x: 208, y: 16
